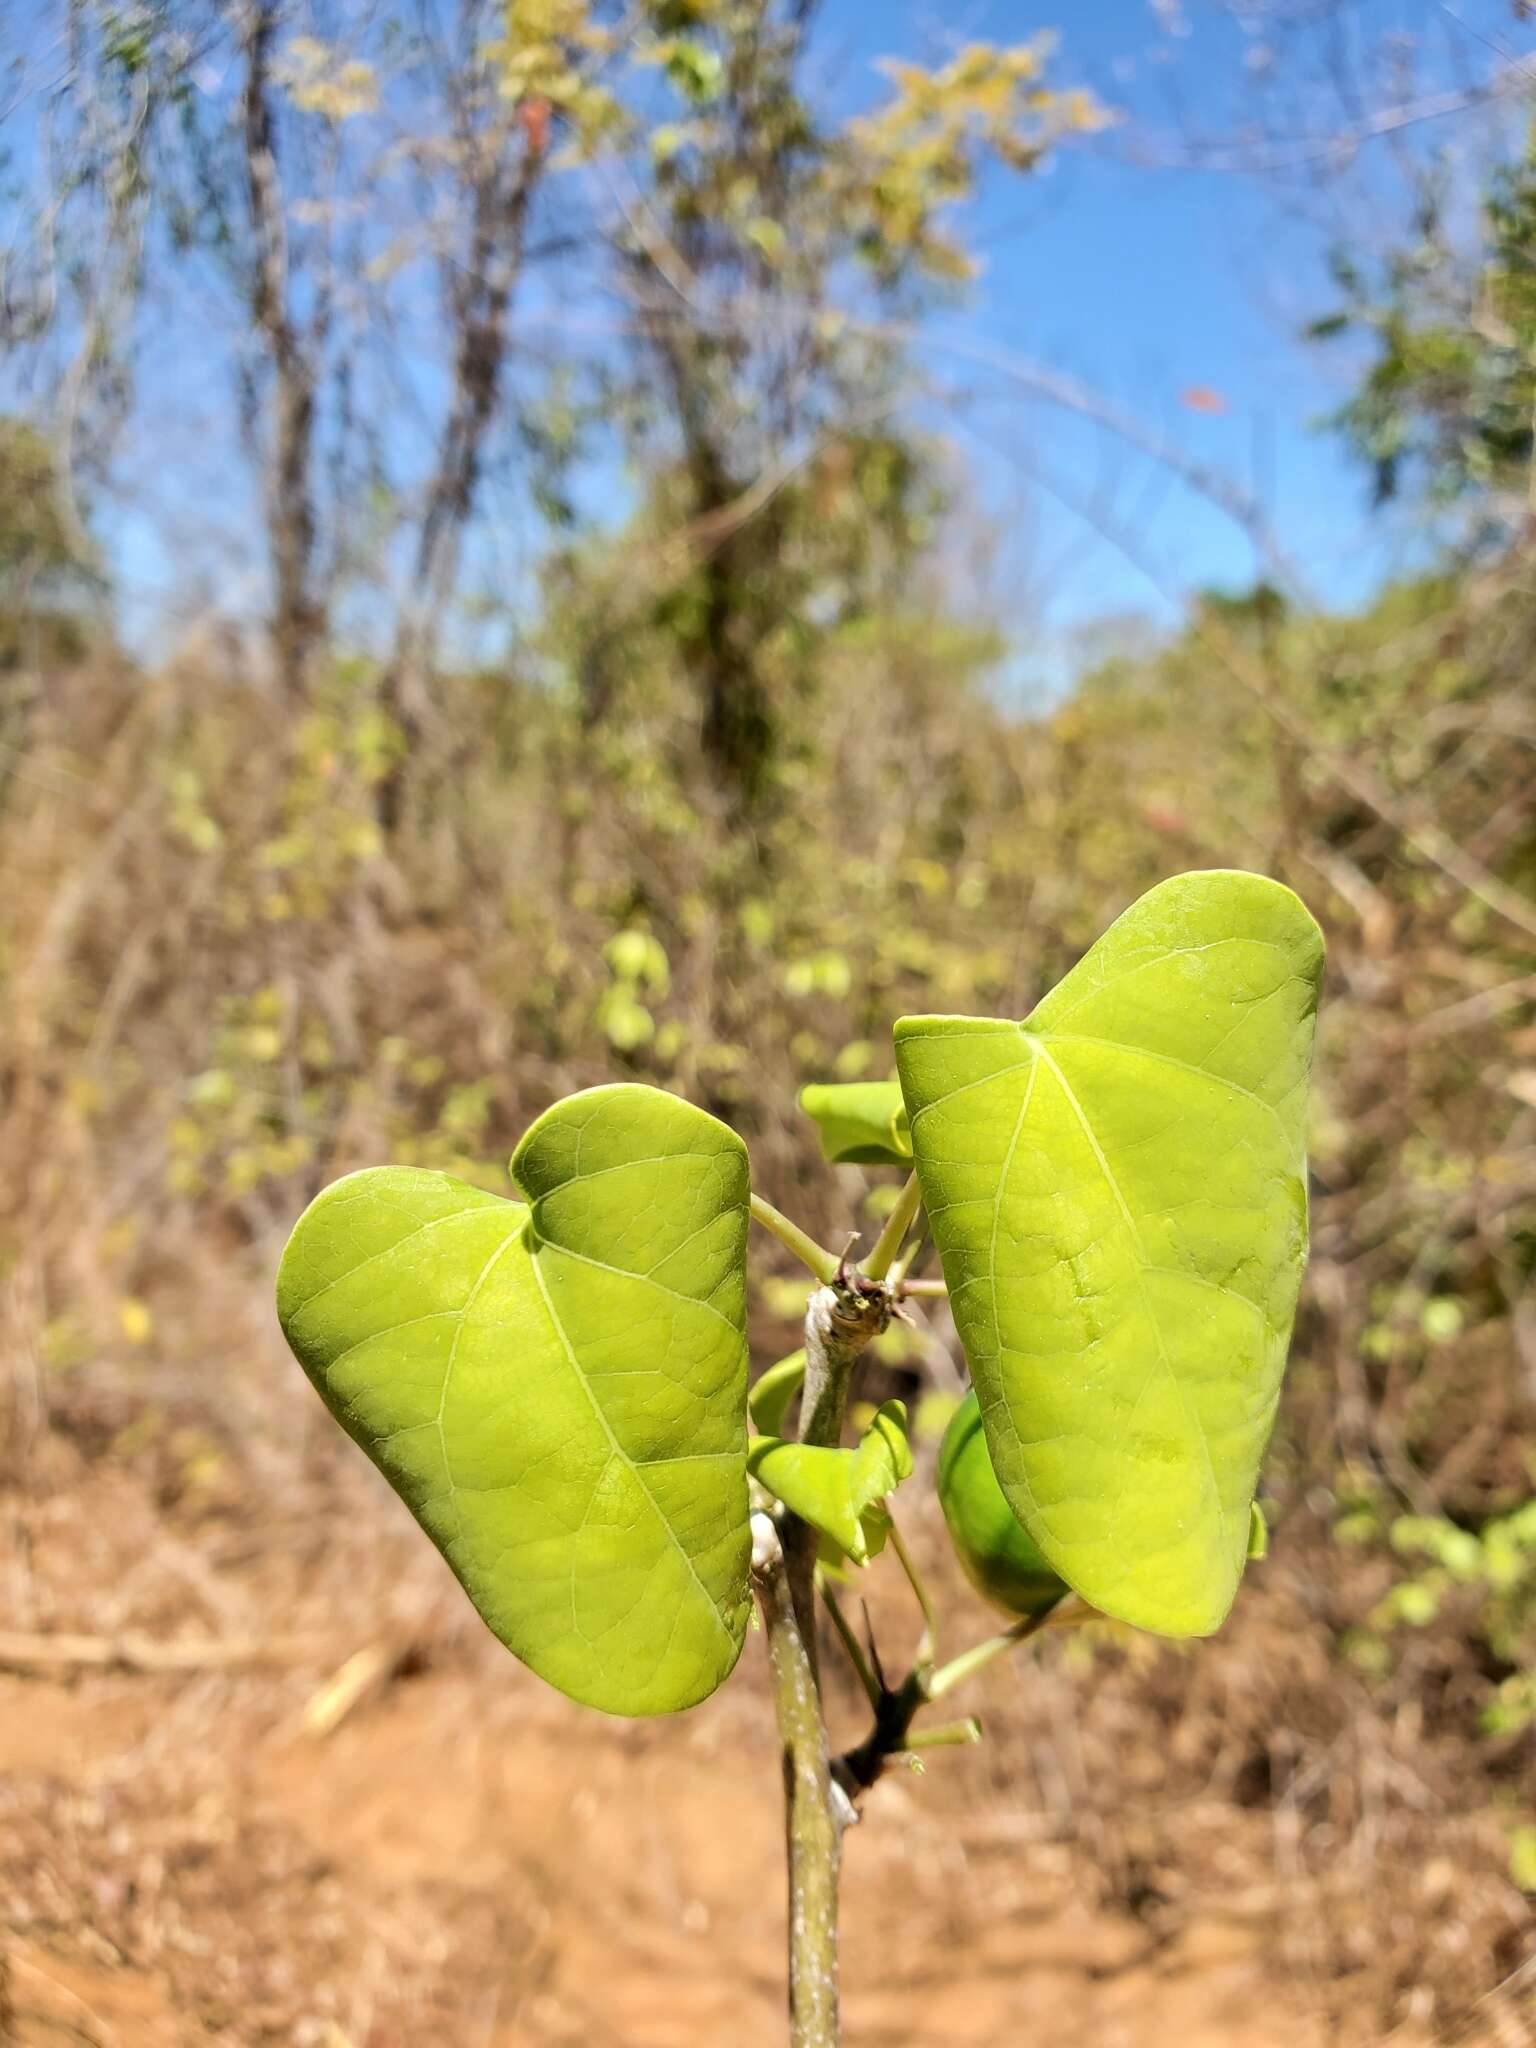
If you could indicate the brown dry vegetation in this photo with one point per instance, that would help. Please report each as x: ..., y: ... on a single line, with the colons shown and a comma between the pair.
x: 223, y: 986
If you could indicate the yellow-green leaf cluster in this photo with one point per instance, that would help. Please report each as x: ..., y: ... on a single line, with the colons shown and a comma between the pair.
x: 925, y: 148
x: 322, y: 81
x: 551, y: 54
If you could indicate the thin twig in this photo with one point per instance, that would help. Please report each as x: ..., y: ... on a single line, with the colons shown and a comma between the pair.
x: 133, y: 1651
x: 1473, y: 1010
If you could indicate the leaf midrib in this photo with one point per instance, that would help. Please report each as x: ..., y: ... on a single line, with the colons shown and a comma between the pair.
x: 1142, y: 1265
x: 616, y: 1448
x: 644, y: 1279
x: 997, y: 1211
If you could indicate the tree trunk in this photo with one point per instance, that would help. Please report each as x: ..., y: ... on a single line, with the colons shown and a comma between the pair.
x: 297, y: 616
x: 480, y: 299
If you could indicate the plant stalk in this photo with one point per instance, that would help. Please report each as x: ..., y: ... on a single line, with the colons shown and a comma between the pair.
x: 816, y: 1257
x: 813, y: 1823
x: 840, y: 1320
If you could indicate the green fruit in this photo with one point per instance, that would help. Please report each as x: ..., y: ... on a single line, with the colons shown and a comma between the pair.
x: 1001, y: 1559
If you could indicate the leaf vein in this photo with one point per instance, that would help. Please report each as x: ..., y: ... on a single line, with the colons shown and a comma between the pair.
x: 1142, y: 1265
x: 618, y: 1450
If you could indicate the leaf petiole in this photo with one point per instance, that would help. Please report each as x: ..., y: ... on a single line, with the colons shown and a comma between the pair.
x: 897, y: 1277
x: 815, y: 1257
x: 969, y: 1662
x: 888, y: 1244
x: 948, y: 1735
x: 927, y: 1648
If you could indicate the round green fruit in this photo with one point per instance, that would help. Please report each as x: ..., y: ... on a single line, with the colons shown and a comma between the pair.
x: 1001, y: 1559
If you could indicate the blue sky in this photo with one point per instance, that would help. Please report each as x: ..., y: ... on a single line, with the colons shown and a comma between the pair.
x: 1153, y: 264
x: 1148, y: 281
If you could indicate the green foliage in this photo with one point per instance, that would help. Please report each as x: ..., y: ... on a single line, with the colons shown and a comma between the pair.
x: 1492, y: 1569
x: 923, y: 151
x: 999, y: 1556
x: 557, y: 1391
x: 45, y: 567
x: 861, y: 1123
x: 552, y: 58
x: 841, y: 1493
x: 1117, y: 1190
x: 1522, y: 1857
x: 35, y: 537
x: 321, y: 80
x: 774, y: 1391
x: 639, y: 967
x: 1449, y: 394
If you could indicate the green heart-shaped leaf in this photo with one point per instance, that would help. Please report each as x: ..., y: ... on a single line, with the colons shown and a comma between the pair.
x: 840, y: 1492
x: 1117, y: 1190
x: 1001, y: 1559
x: 557, y: 1392
x: 862, y: 1123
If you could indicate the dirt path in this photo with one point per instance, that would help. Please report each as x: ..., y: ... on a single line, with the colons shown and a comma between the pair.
x: 178, y: 1863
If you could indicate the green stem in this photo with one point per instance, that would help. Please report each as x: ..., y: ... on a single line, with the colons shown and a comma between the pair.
x: 813, y: 1826
x: 969, y: 1662
x: 896, y: 1279
x: 821, y: 1262
x: 949, y: 1735
x: 928, y: 1647
x: 840, y: 1320
x: 935, y: 1288
x: 893, y: 1236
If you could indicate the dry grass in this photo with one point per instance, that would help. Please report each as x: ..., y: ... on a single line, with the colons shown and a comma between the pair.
x: 220, y: 990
